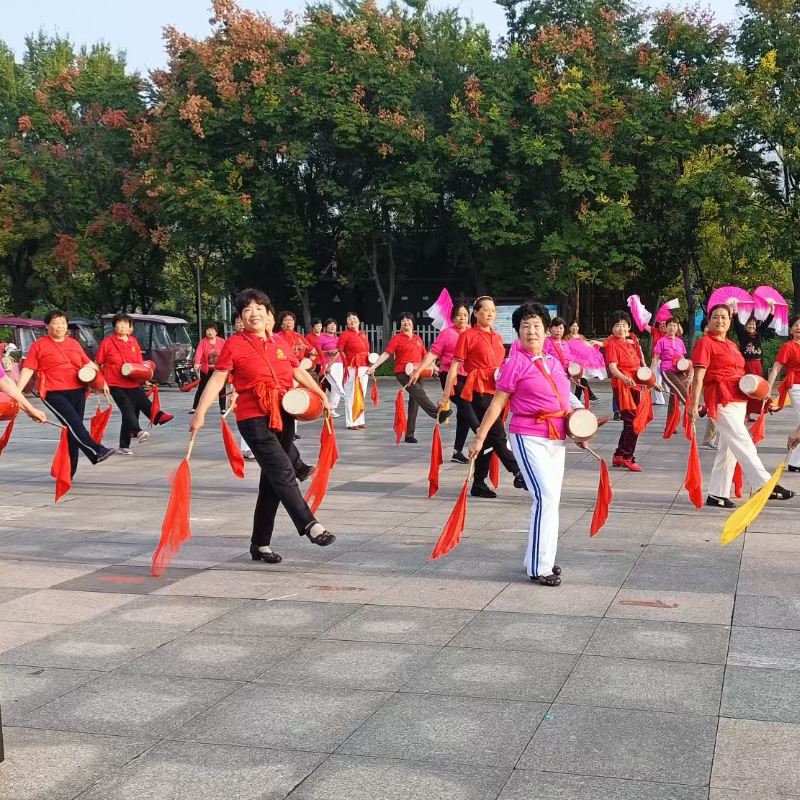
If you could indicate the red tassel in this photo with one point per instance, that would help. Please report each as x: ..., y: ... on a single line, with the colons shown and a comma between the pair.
x: 328, y: 455
x: 61, y: 468
x: 7, y: 434
x: 644, y: 412
x: 400, y: 419
x: 494, y: 470
x: 738, y: 480
x: 694, y: 475
x: 674, y: 418
x: 191, y: 385
x: 156, y: 407
x: 586, y: 403
x: 759, y: 429
x: 175, y: 527
x: 604, y: 497
x: 374, y: 393
x: 688, y: 427
x: 235, y: 457
x: 436, y: 462
x: 99, y: 423
x: 275, y: 416
x: 454, y: 527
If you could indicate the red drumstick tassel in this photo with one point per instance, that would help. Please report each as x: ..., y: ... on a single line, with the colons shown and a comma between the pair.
x: 604, y: 497
x: 61, y: 468
x: 189, y: 386
x: 328, y: 455
x: 494, y: 470
x: 235, y: 457
x: 400, y: 420
x: 738, y: 480
x: 175, y: 529
x: 374, y: 392
x: 693, y: 482
x: 586, y: 401
x: 454, y: 527
x: 7, y: 434
x: 436, y: 462
x: 644, y: 413
x: 674, y: 418
x: 99, y: 424
x: 156, y: 406
x: 759, y: 429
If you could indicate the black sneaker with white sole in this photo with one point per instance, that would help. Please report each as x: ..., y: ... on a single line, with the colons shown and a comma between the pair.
x: 719, y: 502
x: 459, y: 458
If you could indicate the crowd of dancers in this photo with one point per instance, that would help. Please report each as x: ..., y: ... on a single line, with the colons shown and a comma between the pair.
x: 538, y: 382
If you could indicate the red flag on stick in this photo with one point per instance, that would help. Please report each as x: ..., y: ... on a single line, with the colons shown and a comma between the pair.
x: 235, y: 457
x: 644, y: 412
x: 374, y: 392
x: 693, y: 482
x: 61, y: 468
x: 436, y: 462
x: 454, y: 527
x: 494, y: 470
x: 738, y: 480
x: 156, y: 407
x: 100, y: 422
x: 604, y: 497
x: 759, y: 429
x: 175, y: 528
x: 674, y: 418
x: 328, y: 455
x: 400, y: 419
x: 7, y: 434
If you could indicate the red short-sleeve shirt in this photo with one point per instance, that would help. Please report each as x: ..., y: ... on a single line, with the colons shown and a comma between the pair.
x: 113, y: 353
x: 624, y: 353
x: 789, y: 355
x: 479, y: 349
x: 297, y: 343
x: 57, y: 362
x: 354, y: 345
x: 406, y: 350
x: 251, y: 361
x: 724, y: 365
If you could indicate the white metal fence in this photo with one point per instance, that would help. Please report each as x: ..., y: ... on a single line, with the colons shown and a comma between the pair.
x: 378, y: 341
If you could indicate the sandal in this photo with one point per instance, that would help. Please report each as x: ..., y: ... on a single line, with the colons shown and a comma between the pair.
x: 323, y: 539
x: 547, y: 580
x: 779, y: 493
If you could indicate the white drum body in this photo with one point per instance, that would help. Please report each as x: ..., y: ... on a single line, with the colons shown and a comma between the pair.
x: 372, y: 358
x: 426, y: 373
x: 754, y: 386
x: 306, y: 363
x: 574, y: 370
x: 645, y: 376
x: 302, y: 404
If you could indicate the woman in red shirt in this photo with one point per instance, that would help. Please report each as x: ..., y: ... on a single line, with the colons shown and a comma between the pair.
x: 313, y: 339
x: 623, y: 357
x: 480, y: 352
x: 788, y: 358
x: 56, y: 358
x: 287, y: 324
x: 718, y: 366
x: 406, y: 347
x: 262, y: 371
x: 208, y: 350
x: 354, y: 349
x: 119, y: 348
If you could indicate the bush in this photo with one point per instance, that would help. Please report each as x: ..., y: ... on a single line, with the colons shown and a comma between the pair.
x: 769, y: 350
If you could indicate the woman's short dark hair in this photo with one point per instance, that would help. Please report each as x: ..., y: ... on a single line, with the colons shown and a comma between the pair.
x: 122, y: 317
x: 247, y: 296
x: 456, y: 308
x: 53, y: 314
x: 673, y: 318
x: 720, y: 305
x: 211, y: 324
x: 620, y: 316
x: 352, y: 314
x: 406, y: 315
x: 282, y: 316
x: 556, y: 321
x: 331, y: 320
x: 793, y: 319
x: 473, y: 319
x: 315, y: 321
x: 528, y: 311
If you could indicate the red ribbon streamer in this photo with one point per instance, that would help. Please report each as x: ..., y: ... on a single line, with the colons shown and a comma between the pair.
x: 436, y: 462
x: 328, y: 456
x: 400, y: 419
x: 235, y: 457
x: 61, y: 468
x: 7, y: 434
x: 454, y: 527
x: 693, y: 482
x: 604, y: 498
x: 175, y: 528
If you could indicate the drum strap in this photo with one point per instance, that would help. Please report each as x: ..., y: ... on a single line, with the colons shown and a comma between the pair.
x: 549, y: 416
x: 269, y: 397
x: 41, y: 386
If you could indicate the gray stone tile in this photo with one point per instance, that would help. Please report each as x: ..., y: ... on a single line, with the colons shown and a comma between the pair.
x: 358, y: 778
x: 181, y: 771
x: 646, y: 685
x: 14, y: 634
x: 500, y: 674
x: 182, y: 613
x: 767, y: 694
x: 663, y: 606
x: 579, y: 601
x: 201, y: 655
x: 280, y: 618
x: 404, y: 624
x: 40, y: 575
x: 375, y: 562
x: 57, y: 765
x: 529, y: 785
x: 547, y: 633
x: 301, y: 718
x: 767, y: 612
x: 56, y: 607
x: 354, y: 665
x: 23, y: 689
x: 667, y: 641
x: 765, y: 647
x: 331, y: 588
x: 12, y: 594
x: 710, y: 555
x: 91, y: 645
x: 125, y: 579
x: 757, y: 758
x: 465, y: 730
x: 731, y: 794
x: 130, y: 705
x: 225, y: 583
x: 716, y: 579
x: 617, y: 743
x: 432, y: 592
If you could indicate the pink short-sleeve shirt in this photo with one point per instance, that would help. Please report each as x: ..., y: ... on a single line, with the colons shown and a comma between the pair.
x: 444, y: 346
x: 669, y: 351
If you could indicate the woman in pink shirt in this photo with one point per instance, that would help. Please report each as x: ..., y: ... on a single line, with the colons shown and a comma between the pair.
x: 208, y: 350
x: 443, y: 348
x: 332, y: 365
x: 667, y: 351
x: 538, y: 389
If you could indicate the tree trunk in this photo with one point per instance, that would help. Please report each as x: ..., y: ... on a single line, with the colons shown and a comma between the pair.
x: 20, y: 271
x: 385, y: 313
x: 305, y: 303
x: 691, y: 305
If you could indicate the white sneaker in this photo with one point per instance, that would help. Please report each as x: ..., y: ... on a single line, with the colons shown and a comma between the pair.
x: 143, y: 436
x: 125, y: 451
x: 335, y: 413
x: 248, y: 454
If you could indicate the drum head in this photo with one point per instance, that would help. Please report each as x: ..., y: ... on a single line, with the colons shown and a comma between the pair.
x: 574, y: 370
x: 87, y: 373
x: 305, y: 363
x: 126, y: 369
x: 582, y: 424
x: 683, y: 364
x: 296, y: 402
x: 644, y: 374
x: 372, y: 358
x: 410, y: 368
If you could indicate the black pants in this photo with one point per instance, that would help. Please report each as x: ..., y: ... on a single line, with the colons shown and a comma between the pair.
x: 131, y: 402
x: 278, y: 484
x: 417, y: 398
x: 204, y: 377
x: 495, y: 439
x: 69, y: 405
x: 626, y: 446
x: 465, y: 416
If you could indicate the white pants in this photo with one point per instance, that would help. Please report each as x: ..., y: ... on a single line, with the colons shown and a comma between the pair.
x: 243, y: 446
x: 334, y: 376
x: 541, y: 462
x: 658, y: 397
x: 735, y: 445
x: 794, y: 393
x: 349, y: 386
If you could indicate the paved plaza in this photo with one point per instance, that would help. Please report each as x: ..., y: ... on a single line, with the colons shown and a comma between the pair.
x: 665, y: 667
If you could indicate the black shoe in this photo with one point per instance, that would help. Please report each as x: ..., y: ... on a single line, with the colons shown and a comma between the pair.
x: 444, y: 414
x: 547, y: 580
x: 190, y: 411
x: 459, y: 458
x: 556, y: 569
x: 297, y: 436
x: 107, y: 454
x: 779, y: 493
x: 617, y: 416
x: 480, y: 489
x: 793, y: 469
x: 269, y: 558
x: 519, y: 482
x: 593, y: 397
x: 410, y: 440
x: 719, y: 502
x: 303, y: 472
